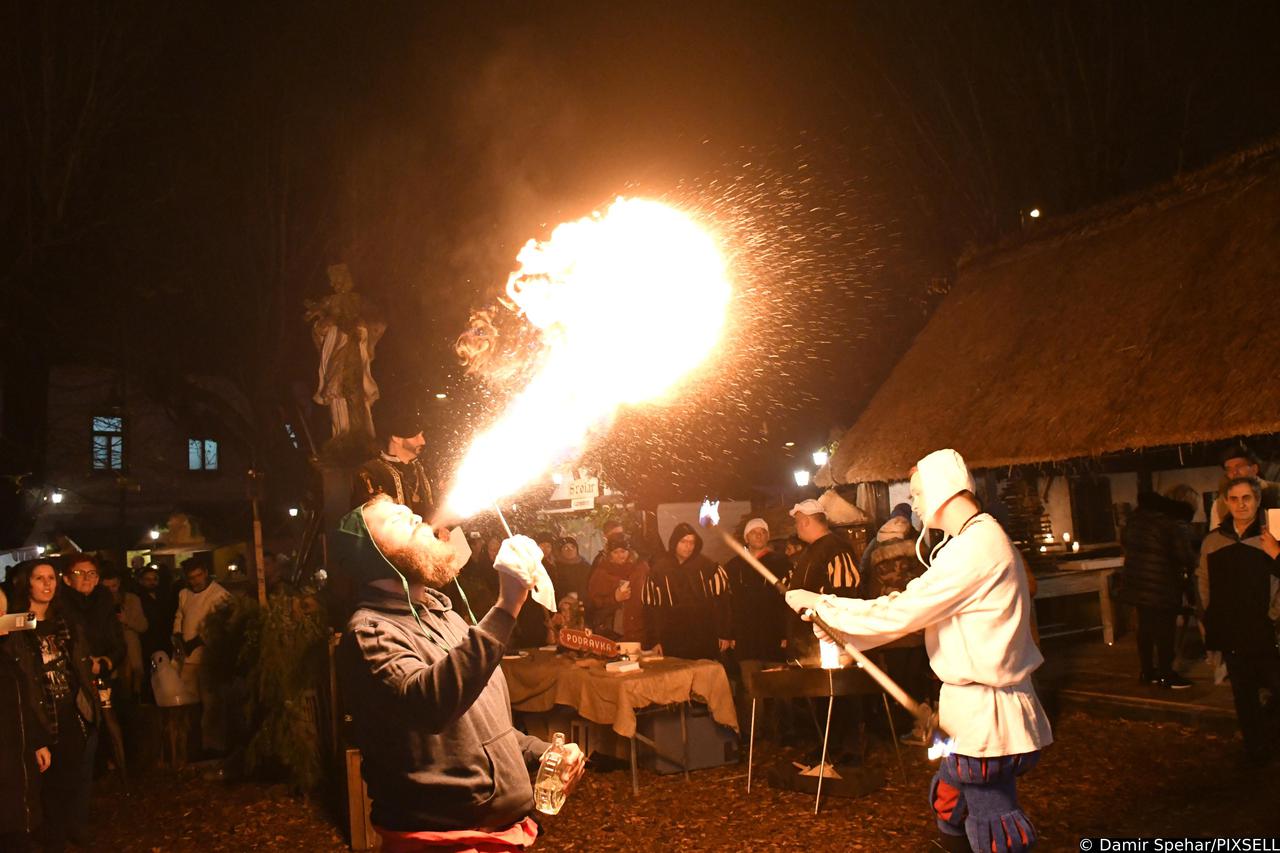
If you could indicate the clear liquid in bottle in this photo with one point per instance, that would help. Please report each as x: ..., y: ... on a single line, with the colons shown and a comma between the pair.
x: 549, y: 789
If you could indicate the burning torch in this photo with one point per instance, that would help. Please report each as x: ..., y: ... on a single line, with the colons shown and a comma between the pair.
x: 940, y: 743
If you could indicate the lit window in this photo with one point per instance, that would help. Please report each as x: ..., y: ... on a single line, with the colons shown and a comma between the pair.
x: 108, y: 444
x: 202, y: 454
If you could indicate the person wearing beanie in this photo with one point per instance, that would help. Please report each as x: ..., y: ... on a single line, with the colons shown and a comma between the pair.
x: 759, y: 616
x: 974, y: 605
x: 614, y: 608
x: 397, y: 470
x: 429, y: 705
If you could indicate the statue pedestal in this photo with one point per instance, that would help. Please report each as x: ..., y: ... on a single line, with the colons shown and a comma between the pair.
x: 335, y: 480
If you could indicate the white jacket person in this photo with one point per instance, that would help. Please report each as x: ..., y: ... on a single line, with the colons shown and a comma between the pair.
x: 974, y: 606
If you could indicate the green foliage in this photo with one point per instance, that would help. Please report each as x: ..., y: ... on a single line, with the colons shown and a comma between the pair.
x: 231, y: 635
x: 280, y: 654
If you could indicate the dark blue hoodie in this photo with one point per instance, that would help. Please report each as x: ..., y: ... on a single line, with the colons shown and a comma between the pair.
x: 429, y: 705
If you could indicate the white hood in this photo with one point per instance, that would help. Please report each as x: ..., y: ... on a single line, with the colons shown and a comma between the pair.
x: 938, y: 477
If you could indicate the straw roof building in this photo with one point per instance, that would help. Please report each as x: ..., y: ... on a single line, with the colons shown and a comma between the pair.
x: 1149, y: 323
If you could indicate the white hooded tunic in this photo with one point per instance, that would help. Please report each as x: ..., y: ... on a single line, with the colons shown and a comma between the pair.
x: 974, y: 605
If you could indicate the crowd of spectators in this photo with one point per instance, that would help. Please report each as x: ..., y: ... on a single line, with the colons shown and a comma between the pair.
x: 76, y: 693
x: 1228, y: 585
x: 72, y: 683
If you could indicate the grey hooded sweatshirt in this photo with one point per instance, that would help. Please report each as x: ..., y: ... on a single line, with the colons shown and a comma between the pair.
x: 429, y: 705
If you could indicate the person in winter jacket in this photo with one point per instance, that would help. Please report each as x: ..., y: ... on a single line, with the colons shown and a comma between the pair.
x: 26, y: 750
x: 759, y: 614
x: 571, y: 572
x: 56, y: 657
x: 687, y: 599
x: 1238, y: 561
x: 888, y: 564
x: 614, y: 606
x: 1158, y: 562
x: 974, y: 605
x: 133, y: 622
x: 93, y: 603
x: 428, y: 702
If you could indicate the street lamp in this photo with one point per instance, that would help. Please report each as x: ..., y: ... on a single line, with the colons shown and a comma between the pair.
x: 293, y: 512
x: 820, y: 458
x: 56, y: 497
x: 1034, y: 213
x: 154, y: 533
x: 802, y: 477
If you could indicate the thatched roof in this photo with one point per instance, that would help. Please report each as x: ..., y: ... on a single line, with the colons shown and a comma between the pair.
x: 1150, y: 323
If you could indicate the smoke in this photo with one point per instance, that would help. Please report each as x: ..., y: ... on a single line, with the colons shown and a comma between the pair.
x: 517, y: 120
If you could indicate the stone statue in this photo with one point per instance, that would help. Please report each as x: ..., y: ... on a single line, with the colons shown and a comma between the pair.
x: 346, y: 336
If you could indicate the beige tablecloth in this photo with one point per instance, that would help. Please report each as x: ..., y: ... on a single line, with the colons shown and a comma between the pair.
x: 545, y: 679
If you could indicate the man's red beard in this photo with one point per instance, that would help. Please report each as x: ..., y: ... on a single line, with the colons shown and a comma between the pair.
x: 424, y: 560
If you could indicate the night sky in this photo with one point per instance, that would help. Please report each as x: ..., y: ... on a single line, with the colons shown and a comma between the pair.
x: 177, y: 177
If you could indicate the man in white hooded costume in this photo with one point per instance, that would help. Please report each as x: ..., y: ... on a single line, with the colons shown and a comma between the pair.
x: 974, y: 606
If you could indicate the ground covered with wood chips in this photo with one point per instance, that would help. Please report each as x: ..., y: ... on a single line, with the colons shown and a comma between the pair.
x: 1102, y: 777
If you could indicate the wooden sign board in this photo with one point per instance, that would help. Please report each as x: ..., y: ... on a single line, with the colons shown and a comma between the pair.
x: 579, y: 640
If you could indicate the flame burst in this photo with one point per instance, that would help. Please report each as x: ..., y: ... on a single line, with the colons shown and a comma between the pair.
x: 628, y: 304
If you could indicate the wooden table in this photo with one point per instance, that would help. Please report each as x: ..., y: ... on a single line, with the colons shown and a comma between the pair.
x: 544, y: 679
x: 1083, y: 577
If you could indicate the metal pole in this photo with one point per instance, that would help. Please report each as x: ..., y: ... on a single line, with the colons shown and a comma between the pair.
x: 503, y: 519
x: 826, y: 734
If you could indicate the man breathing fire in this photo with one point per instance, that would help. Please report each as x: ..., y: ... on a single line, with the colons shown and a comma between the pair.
x: 430, y: 707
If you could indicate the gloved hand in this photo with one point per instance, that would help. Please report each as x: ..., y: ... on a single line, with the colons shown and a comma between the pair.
x: 802, y: 599
x: 521, y: 558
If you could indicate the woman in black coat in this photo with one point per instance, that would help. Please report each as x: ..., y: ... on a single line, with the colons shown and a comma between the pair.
x: 55, y: 656
x: 1159, y: 559
x: 25, y: 751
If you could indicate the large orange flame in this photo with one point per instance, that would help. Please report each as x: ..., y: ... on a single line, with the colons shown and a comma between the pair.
x: 629, y: 303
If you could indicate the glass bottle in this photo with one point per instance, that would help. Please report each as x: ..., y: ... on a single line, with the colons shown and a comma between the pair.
x: 549, y: 791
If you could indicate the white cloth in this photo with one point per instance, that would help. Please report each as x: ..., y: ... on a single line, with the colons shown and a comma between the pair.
x: 193, y: 607
x: 974, y: 605
x: 167, y: 684
x: 521, y: 558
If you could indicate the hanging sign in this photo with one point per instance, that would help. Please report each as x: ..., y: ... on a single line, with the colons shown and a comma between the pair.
x: 583, y: 492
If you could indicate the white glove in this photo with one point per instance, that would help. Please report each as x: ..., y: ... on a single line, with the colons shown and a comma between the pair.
x: 521, y: 558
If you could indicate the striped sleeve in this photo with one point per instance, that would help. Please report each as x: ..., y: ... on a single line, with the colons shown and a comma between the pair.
x: 717, y: 584
x: 842, y: 572
x: 657, y: 592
